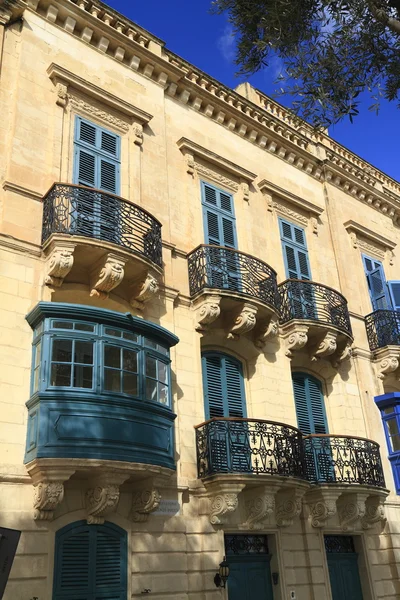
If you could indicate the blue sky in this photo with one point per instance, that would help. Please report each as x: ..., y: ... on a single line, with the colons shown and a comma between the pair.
x: 205, y: 40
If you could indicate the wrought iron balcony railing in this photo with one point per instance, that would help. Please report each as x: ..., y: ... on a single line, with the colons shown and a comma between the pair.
x: 343, y: 459
x: 253, y: 446
x: 301, y: 299
x: 234, y: 445
x: 223, y: 268
x: 83, y: 211
x: 383, y: 328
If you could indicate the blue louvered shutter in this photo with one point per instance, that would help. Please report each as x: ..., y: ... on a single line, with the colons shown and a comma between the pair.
x: 90, y: 562
x: 223, y: 386
x: 394, y: 289
x: 294, y: 251
x: 309, y: 402
x: 97, y: 157
x: 219, y: 218
x: 377, y: 286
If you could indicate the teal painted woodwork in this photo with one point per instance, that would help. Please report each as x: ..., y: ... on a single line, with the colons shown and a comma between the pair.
x: 344, y: 576
x: 394, y: 291
x: 90, y: 562
x: 309, y: 402
x: 295, y: 251
x: 100, y: 387
x: 377, y: 286
x: 223, y: 386
x: 96, y: 157
x: 250, y: 578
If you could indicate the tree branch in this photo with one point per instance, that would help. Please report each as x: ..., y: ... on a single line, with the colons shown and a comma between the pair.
x: 381, y: 16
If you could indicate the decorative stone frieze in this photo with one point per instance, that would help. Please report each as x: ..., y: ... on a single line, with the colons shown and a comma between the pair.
x: 288, y: 506
x: 144, y: 291
x: 107, y: 275
x: 369, y: 241
x: 374, y: 512
x: 102, y: 497
x: 295, y: 336
x: 244, y: 321
x: 326, y: 346
x: 208, y: 311
x: 144, y: 502
x: 59, y: 263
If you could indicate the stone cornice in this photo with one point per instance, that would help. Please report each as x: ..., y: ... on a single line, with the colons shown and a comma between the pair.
x: 59, y: 74
x: 270, y: 188
x: 267, y: 125
x: 188, y: 147
x: 376, y: 238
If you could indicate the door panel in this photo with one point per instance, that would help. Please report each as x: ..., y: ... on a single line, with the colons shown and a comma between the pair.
x: 344, y: 576
x: 250, y: 580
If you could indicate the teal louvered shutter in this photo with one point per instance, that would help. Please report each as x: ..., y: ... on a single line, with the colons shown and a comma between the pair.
x: 219, y: 218
x: 294, y: 251
x: 90, y: 562
x: 377, y: 286
x: 223, y: 386
x: 309, y: 402
x: 394, y: 290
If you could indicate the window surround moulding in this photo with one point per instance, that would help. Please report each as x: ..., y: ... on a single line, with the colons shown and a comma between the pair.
x: 191, y: 150
x: 361, y: 237
x: 275, y: 195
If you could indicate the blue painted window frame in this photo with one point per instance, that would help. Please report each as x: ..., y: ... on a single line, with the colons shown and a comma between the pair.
x: 391, y: 402
x: 225, y: 400
x: 378, y: 266
x: 219, y: 211
x: 98, y: 153
x: 309, y: 401
x: 147, y: 344
x: 296, y: 246
x: 71, y: 529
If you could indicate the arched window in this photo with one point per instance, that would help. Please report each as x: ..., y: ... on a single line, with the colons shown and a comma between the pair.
x: 90, y: 562
x: 310, y: 406
x: 223, y: 386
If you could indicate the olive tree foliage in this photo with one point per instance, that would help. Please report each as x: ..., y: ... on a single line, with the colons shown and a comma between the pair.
x: 331, y: 51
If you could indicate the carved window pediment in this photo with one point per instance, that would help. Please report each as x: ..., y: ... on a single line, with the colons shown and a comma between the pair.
x: 369, y: 241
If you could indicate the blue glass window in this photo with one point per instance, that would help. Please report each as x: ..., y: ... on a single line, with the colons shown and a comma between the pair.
x: 389, y: 405
x: 93, y: 357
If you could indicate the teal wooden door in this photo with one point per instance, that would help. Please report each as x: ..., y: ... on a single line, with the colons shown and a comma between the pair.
x: 250, y: 578
x: 344, y: 576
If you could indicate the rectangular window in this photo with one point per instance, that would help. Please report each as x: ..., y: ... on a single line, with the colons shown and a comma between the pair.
x: 120, y: 370
x: 37, y: 352
x: 72, y: 364
x: 393, y: 434
x: 295, y: 251
x: 377, y: 286
x: 156, y: 380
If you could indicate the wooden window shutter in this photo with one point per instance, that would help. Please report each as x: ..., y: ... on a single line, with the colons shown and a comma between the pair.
x: 309, y: 402
x: 223, y: 386
x: 295, y: 251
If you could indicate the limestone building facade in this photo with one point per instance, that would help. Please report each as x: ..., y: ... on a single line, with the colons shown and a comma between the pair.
x: 199, y: 347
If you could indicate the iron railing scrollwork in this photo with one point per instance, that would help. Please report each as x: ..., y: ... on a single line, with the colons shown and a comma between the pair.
x: 339, y: 544
x: 222, y: 268
x: 383, y: 328
x: 343, y: 459
x: 246, y: 544
x: 302, y: 299
x: 82, y: 211
x: 250, y: 446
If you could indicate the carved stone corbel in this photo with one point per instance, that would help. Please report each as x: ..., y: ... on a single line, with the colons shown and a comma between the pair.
x: 260, y: 507
x: 144, y: 291
x: 245, y: 320
x: 144, y: 503
x: 374, y: 512
x: 351, y: 509
x: 107, y: 276
x: 208, y: 312
x: 342, y: 356
x: 326, y: 346
x: 224, y: 501
x: 60, y: 263
x: 387, y: 365
x: 296, y: 338
x: 288, y: 506
x: 269, y: 333
x: 48, y: 490
x: 62, y: 94
x: 138, y: 134
x: 322, y: 506
x: 102, y: 497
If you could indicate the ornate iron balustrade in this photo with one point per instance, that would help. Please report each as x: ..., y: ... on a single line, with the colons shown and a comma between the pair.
x: 223, y: 268
x: 79, y: 210
x: 301, y: 299
x: 343, y: 459
x: 233, y: 445
x: 383, y: 328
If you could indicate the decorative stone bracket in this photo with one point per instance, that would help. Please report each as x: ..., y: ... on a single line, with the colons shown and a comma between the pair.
x: 320, y: 342
x: 374, y: 512
x: 387, y: 361
x: 144, y: 502
x: 296, y: 337
x: 322, y: 505
x: 288, y: 506
x: 208, y: 311
x: 102, y: 497
x: 245, y: 320
x: 48, y: 490
x: 143, y: 291
x: 325, y: 347
x: 59, y: 263
x: 260, y: 506
x: 223, y: 501
x: 107, y: 275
